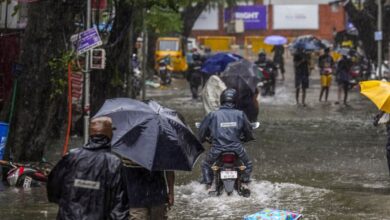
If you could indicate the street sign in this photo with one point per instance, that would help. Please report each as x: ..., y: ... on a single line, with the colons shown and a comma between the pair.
x: 86, y: 40
x: 378, y: 35
x: 77, y: 88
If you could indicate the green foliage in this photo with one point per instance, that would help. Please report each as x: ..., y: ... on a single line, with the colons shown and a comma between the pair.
x: 163, y: 20
x: 58, y: 68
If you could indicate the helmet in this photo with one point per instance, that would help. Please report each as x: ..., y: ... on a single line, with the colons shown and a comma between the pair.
x: 196, y: 56
x: 229, y: 96
x: 101, y: 126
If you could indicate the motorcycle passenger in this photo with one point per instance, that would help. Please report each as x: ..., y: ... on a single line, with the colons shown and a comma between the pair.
x: 194, y: 75
x: 226, y: 128
x: 270, y: 68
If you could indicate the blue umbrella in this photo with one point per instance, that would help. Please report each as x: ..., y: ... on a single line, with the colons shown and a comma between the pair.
x: 307, y: 42
x: 151, y: 135
x: 275, y: 40
x: 218, y: 62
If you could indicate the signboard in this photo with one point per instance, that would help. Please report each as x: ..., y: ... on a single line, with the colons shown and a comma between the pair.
x: 378, y: 35
x: 208, y: 20
x: 253, y: 16
x: 86, y: 40
x: 77, y: 87
x: 295, y: 17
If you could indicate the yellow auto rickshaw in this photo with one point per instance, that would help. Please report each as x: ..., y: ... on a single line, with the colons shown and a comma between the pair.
x: 171, y: 47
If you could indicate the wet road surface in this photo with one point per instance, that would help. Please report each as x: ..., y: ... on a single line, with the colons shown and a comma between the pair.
x: 326, y: 159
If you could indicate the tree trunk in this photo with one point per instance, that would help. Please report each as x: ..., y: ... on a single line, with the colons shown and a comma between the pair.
x: 151, y: 62
x: 40, y: 108
x: 114, y: 77
x: 190, y: 14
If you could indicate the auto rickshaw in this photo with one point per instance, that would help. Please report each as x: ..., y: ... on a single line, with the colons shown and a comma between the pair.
x: 171, y: 47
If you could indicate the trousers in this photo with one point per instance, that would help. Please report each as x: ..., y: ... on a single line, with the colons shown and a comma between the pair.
x: 151, y: 213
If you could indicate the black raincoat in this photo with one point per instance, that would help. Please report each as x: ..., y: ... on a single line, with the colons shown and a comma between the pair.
x: 86, y: 184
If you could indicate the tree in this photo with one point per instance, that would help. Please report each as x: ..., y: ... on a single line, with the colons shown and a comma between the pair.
x: 118, y: 48
x: 366, y: 22
x: 41, y: 100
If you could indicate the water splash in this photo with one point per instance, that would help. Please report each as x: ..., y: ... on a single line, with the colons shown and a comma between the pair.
x: 193, y: 202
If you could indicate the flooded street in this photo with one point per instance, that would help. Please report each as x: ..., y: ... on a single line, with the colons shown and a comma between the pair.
x: 325, y: 159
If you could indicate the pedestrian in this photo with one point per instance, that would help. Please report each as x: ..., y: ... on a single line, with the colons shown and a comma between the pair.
x: 226, y: 127
x: 211, y: 93
x: 87, y: 182
x: 325, y: 64
x: 301, y: 64
x: 150, y: 193
x: 279, y: 59
x: 194, y: 75
x: 342, y: 77
x: 384, y: 118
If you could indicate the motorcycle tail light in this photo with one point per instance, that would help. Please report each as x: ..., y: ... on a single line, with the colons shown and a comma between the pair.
x: 228, y: 158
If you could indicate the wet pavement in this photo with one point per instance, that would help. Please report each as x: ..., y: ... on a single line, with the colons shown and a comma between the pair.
x: 325, y: 159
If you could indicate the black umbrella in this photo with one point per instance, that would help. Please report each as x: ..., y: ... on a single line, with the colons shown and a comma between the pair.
x: 151, y: 135
x: 241, y: 74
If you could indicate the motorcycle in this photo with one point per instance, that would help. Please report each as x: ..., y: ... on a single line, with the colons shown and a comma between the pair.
x: 26, y: 175
x: 227, y: 171
x: 268, y: 80
x: 355, y: 75
x: 164, y: 72
x: 136, y: 82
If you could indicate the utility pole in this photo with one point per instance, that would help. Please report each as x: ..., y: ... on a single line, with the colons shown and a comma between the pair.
x: 87, y: 110
x: 379, y: 2
x: 144, y: 54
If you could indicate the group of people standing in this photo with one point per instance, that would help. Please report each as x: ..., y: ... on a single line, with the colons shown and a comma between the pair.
x: 327, y: 68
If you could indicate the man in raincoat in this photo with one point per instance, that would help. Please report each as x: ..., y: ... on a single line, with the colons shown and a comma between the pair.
x: 226, y: 127
x: 194, y: 74
x: 384, y: 118
x: 86, y: 183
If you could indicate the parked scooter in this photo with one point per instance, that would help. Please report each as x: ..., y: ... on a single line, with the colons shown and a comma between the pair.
x: 227, y: 171
x: 136, y: 79
x: 136, y: 82
x: 26, y: 175
x: 164, y: 71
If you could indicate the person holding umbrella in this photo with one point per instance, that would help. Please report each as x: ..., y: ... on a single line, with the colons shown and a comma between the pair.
x: 278, y: 58
x: 150, y: 193
x: 379, y: 93
x: 301, y: 63
x: 153, y: 141
x: 342, y: 77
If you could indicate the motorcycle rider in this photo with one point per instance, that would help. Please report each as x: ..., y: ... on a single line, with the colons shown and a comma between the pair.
x: 226, y: 127
x: 266, y: 65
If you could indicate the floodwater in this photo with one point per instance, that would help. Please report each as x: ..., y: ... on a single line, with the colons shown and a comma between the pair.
x: 325, y: 159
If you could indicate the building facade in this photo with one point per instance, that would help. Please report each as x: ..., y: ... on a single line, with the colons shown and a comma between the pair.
x: 289, y: 18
